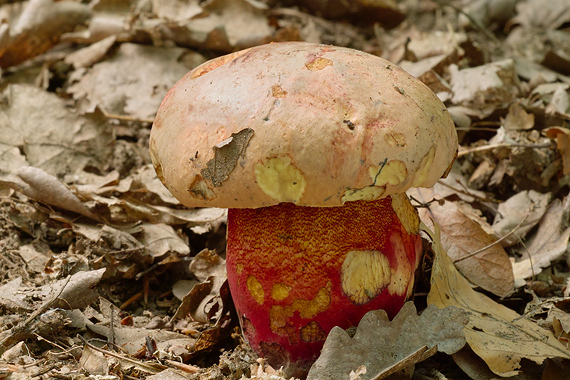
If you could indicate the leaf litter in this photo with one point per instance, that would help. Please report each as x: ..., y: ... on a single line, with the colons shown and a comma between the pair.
x: 127, y: 283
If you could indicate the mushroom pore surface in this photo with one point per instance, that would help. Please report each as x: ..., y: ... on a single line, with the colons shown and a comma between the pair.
x: 311, y: 148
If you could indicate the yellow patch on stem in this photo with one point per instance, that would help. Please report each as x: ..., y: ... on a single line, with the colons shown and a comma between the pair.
x: 364, y: 274
x: 280, y: 291
x: 255, y: 289
x: 406, y: 213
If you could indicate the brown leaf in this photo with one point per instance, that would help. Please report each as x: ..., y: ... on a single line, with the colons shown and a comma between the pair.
x: 379, y: 343
x: 548, y: 244
x: 562, y: 137
x: 51, y: 136
x: 518, y: 118
x: 116, y: 87
x: 526, y: 207
x: 496, y: 333
x: 39, y: 27
x: 462, y: 235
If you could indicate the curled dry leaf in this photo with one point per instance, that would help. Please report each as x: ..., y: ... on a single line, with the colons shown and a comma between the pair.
x: 496, y: 84
x: 160, y: 239
x: 379, y: 343
x: 497, y: 334
x: 115, y: 86
x: 77, y: 292
x: 562, y: 137
x: 39, y: 28
x: 224, y: 25
x: 549, y: 243
x: 526, y: 207
x: 51, y: 136
x: 210, y: 269
x: 41, y: 186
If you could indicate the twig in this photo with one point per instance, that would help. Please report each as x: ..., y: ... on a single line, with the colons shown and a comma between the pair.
x: 127, y: 118
x: 502, y: 145
x: 115, y: 355
x: 23, y: 325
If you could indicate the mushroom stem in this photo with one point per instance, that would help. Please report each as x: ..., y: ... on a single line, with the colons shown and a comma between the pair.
x: 295, y: 272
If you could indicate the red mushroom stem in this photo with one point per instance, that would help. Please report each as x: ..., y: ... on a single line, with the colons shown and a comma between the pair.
x: 296, y: 272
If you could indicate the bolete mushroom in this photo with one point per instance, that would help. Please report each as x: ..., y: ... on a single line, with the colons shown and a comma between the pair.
x: 311, y: 147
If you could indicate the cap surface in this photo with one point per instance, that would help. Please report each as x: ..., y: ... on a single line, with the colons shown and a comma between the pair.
x: 315, y: 125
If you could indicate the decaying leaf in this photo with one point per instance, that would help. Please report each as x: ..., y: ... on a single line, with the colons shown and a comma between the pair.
x: 385, y: 12
x: 543, y: 15
x: 526, y: 207
x: 462, y: 234
x: 548, y: 244
x: 52, y: 137
x: 497, y: 334
x: 495, y: 85
x: 518, y: 118
x: 562, y: 137
x: 115, y: 86
x: 204, y: 299
x: 39, y: 28
x: 380, y: 344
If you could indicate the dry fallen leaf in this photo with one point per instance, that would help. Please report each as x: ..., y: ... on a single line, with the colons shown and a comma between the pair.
x: 542, y: 14
x: 526, y: 207
x: 495, y: 84
x: 549, y: 243
x: 204, y: 298
x: 379, y: 343
x: 38, y: 29
x: 497, y: 334
x: 462, y: 234
x: 115, y: 86
x: 518, y: 118
x: 52, y: 138
x: 562, y: 137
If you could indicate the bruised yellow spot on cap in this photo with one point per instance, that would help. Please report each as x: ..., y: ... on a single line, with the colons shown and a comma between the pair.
x: 312, y: 332
x: 318, y: 63
x: 255, y: 289
x: 280, y: 179
x: 279, y: 315
x: 424, y: 168
x: 391, y: 173
x: 406, y: 213
x: 364, y: 274
x: 368, y: 193
x: 280, y: 291
x: 215, y: 63
x: 278, y: 92
x: 401, y: 275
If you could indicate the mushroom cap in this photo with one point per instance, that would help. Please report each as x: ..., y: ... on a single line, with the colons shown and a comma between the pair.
x: 316, y: 125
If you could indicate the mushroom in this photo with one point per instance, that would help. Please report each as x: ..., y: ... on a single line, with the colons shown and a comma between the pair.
x: 311, y: 147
